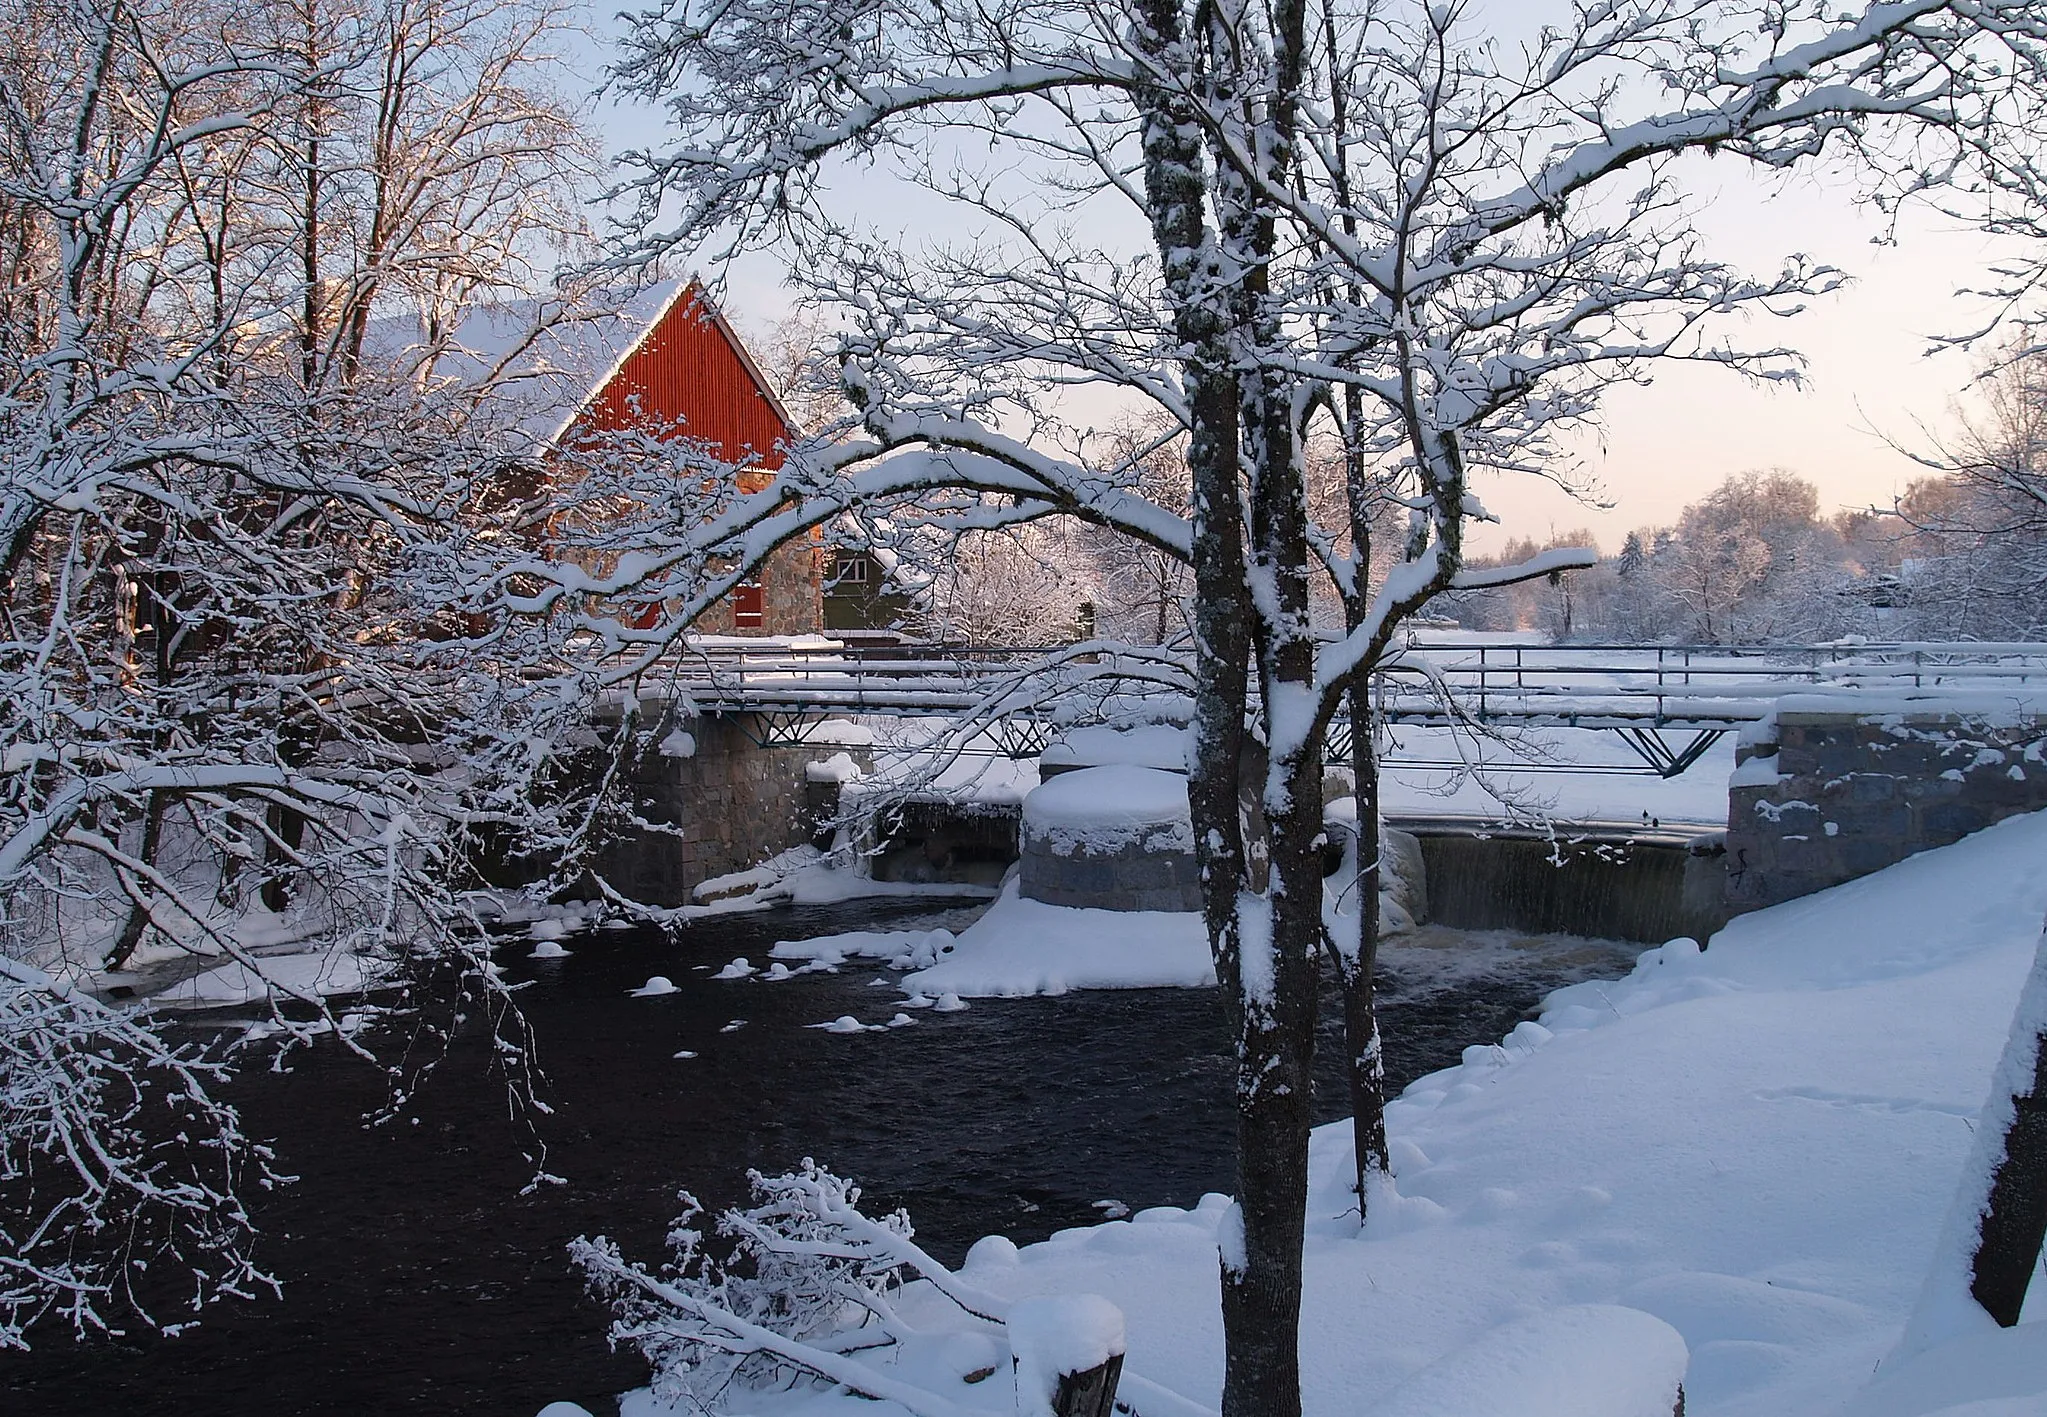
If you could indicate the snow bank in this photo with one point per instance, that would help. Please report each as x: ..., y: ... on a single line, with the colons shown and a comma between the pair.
x: 2001, y: 1372
x: 1755, y: 1144
x: 1022, y: 947
x: 1947, y: 1310
x: 283, y: 976
x: 1585, y: 1360
x: 803, y: 875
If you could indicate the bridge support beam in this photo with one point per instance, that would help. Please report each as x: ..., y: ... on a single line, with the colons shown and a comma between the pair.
x: 1651, y: 746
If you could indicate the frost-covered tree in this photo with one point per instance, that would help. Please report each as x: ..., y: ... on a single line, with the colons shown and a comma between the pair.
x: 1145, y: 589
x: 231, y: 706
x: 1555, y: 604
x: 1752, y: 563
x: 1021, y: 587
x: 1259, y: 222
x: 1976, y: 532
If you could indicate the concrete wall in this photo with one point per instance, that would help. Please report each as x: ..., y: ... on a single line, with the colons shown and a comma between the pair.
x: 732, y: 805
x: 1115, y: 837
x: 1833, y: 796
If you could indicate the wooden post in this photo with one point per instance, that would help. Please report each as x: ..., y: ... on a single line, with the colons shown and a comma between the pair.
x: 1067, y: 1355
x: 1089, y: 1394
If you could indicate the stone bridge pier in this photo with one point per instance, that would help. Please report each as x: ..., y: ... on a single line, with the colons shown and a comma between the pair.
x: 1822, y: 795
x: 709, y: 800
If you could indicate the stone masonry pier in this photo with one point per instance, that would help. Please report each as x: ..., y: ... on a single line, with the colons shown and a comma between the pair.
x: 708, y: 801
x: 1110, y: 838
x: 1821, y: 795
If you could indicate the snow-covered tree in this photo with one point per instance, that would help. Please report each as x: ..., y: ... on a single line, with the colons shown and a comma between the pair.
x: 1145, y: 589
x: 1753, y: 562
x: 231, y: 705
x: 1260, y: 222
x: 1022, y: 587
x: 1554, y: 604
x: 1976, y: 531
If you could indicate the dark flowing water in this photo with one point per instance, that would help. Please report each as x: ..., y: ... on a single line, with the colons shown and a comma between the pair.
x: 419, y: 1280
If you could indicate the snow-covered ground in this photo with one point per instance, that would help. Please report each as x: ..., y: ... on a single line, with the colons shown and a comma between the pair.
x: 1755, y: 1144
x: 1023, y: 947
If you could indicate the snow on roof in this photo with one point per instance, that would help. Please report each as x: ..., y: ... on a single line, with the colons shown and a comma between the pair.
x: 547, y: 357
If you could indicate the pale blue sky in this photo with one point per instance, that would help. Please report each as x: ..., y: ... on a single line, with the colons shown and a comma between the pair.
x: 1663, y: 446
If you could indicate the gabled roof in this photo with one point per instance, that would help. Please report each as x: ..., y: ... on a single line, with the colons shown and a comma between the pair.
x: 549, y: 358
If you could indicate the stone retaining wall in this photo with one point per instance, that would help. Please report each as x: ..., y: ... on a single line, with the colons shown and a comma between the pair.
x: 1830, y: 796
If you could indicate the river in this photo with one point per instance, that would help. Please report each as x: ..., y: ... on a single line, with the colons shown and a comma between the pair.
x: 418, y: 1278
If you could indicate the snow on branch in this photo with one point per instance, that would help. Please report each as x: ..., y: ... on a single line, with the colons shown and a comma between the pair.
x: 809, y: 1283
x: 91, y: 1195
x: 811, y: 1289
x: 1546, y: 563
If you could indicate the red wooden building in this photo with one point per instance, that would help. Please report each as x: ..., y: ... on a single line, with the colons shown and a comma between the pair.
x: 667, y: 359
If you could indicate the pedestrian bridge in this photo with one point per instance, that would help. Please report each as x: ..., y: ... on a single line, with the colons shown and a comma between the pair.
x: 1670, y: 703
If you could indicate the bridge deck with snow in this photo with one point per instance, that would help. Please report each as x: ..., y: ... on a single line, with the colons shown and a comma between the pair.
x: 1638, y: 691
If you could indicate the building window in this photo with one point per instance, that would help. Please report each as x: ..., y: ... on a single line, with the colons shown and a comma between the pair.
x: 749, y: 606
x: 850, y: 568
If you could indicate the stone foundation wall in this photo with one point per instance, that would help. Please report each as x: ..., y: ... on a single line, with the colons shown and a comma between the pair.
x: 1133, y: 877
x: 732, y: 804
x: 792, y: 596
x: 1834, y: 796
x: 1113, y: 837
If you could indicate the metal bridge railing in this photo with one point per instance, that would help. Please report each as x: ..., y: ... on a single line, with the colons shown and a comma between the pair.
x: 1683, y: 683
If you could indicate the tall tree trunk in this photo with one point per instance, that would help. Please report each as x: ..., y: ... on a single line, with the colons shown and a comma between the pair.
x: 286, y: 826
x: 156, y: 594
x: 1269, y: 995
x: 1357, y: 960
x: 1261, y: 890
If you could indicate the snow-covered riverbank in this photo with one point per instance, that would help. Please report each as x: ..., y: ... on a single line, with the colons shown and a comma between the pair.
x: 1755, y: 1144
